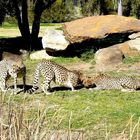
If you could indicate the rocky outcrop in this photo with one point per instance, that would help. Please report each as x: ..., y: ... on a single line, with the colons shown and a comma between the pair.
x: 108, y: 58
x: 131, y: 47
x: 54, y: 40
x: 134, y: 35
x: 40, y: 55
x: 97, y: 27
x: 126, y: 49
x: 134, y: 43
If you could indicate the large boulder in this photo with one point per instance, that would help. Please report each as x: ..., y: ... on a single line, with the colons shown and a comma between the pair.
x: 54, y: 40
x: 108, y: 58
x: 131, y: 47
x: 134, y: 43
x: 134, y: 35
x: 126, y: 49
x: 97, y: 27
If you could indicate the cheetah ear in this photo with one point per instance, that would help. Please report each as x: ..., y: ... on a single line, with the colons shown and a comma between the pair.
x: 76, y: 71
x: 80, y: 73
x: 99, y: 74
x: 83, y: 76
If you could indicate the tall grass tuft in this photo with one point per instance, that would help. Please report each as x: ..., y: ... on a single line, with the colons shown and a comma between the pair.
x: 15, y: 125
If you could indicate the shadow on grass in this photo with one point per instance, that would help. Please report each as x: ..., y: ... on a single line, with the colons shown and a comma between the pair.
x: 53, y: 89
x: 63, y: 88
x: 13, y: 45
x: 90, y: 45
x: 82, y: 50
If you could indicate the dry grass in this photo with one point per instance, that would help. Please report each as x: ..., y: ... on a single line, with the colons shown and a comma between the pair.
x: 23, y: 117
x: 15, y: 124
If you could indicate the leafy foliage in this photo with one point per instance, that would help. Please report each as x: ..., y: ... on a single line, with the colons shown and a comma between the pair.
x: 97, y: 7
x: 66, y: 10
x: 6, y: 8
x: 136, y: 8
x: 59, y: 12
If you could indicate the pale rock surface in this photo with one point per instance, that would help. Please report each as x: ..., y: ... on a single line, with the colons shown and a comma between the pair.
x: 54, y: 40
x: 40, y: 55
x: 97, y: 27
x: 126, y: 49
x: 134, y: 41
x: 134, y: 35
x: 108, y: 58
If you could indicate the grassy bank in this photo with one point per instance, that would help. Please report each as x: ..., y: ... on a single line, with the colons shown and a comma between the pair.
x: 88, y: 113
x: 81, y: 115
x: 97, y: 114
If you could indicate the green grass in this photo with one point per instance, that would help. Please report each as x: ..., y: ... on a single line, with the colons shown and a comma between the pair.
x: 4, y: 37
x: 12, y: 25
x: 82, y: 110
x: 98, y: 114
x: 9, y: 25
x: 131, y: 60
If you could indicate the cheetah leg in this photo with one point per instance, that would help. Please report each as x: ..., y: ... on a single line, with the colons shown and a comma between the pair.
x: 24, y: 83
x: 3, y: 86
x: 15, y: 85
x: 69, y: 84
x: 45, y: 87
x: 46, y: 84
x: 72, y: 88
x: 3, y: 82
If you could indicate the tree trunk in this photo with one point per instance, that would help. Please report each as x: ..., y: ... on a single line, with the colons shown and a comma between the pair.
x: 35, y: 43
x: 103, y: 7
x: 21, y: 7
x: 40, y: 6
x: 120, y: 7
x: 23, y: 24
x: 18, y: 16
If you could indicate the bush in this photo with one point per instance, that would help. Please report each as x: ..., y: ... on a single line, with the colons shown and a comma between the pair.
x: 59, y: 12
x: 10, y: 19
